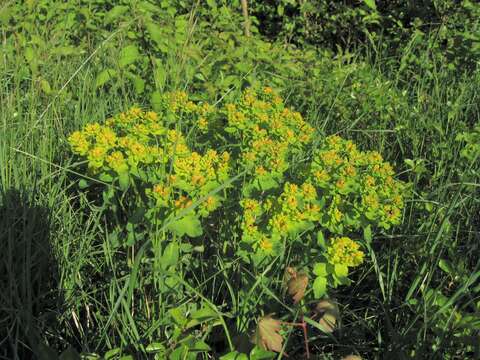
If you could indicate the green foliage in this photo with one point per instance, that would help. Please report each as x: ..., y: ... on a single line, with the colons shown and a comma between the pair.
x: 417, y: 32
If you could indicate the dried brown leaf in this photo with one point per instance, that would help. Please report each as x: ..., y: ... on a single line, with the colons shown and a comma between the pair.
x: 268, y: 335
x: 297, y: 286
x: 329, y: 315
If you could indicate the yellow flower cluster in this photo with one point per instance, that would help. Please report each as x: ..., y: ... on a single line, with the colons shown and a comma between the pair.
x: 276, y: 217
x: 344, y: 251
x: 344, y: 190
x: 358, y: 182
x: 126, y: 141
x: 141, y: 144
x: 269, y: 132
x: 182, y: 108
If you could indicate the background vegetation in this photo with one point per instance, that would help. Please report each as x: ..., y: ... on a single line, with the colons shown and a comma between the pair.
x: 398, y: 77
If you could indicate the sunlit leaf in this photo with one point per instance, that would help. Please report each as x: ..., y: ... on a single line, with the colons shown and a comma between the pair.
x: 371, y: 4
x: 128, y: 55
x: 320, y: 286
x: 105, y: 76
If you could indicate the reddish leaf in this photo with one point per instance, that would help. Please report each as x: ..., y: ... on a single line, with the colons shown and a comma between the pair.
x: 268, y: 335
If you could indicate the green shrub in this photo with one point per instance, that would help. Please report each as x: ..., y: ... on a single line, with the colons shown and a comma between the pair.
x: 162, y: 176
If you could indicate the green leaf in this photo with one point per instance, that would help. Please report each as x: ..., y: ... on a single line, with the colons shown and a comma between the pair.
x: 128, y: 55
x: 320, y: 287
x: 137, y: 81
x: 204, y: 314
x: 105, y: 177
x: 45, y: 85
x: 321, y: 240
x: 201, y: 316
x: 123, y: 180
x: 156, y: 100
x: 367, y: 234
x: 446, y: 266
x: 234, y: 355
x: 110, y: 354
x: 258, y: 353
x: 82, y: 184
x: 341, y: 270
x: 189, y: 225
x: 212, y: 4
x: 115, y: 13
x: 155, y: 348
x: 178, y: 316
x: 6, y: 13
x: 105, y: 76
x: 65, y: 50
x: 156, y: 33
x: 371, y: 4
x: 320, y: 269
x: 170, y: 255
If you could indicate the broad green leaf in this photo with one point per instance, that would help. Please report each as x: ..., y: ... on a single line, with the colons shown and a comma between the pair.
x: 156, y: 100
x: 321, y: 240
x: 341, y: 270
x: 82, y: 184
x: 155, y: 348
x: 371, y: 4
x: 267, y: 335
x: 234, y: 355
x: 258, y: 353
x: 320, y: 269
x: 110, y: 354
x: 128, y: 55
x: 65, y: 50
x: 105, y: 76
x: 170, y: 255
x: 137, y: 81
x: 212, y: 4
x: 45, y: 85
x: 105, y: 177
x: 446, y: 266
x: 178, y: 315
x: 123, y: 181
x: 6, y: 12
x: 115, y: 13
x: 189, y: 225
x: 320, y: 286
x: 156, y: 32
x: 202, y: 315
x: 367, y: 233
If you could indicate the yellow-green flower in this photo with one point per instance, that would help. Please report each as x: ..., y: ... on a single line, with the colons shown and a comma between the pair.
x: 344, y: 251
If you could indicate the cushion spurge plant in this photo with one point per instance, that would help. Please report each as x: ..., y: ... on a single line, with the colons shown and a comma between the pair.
x: 299, y: 196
